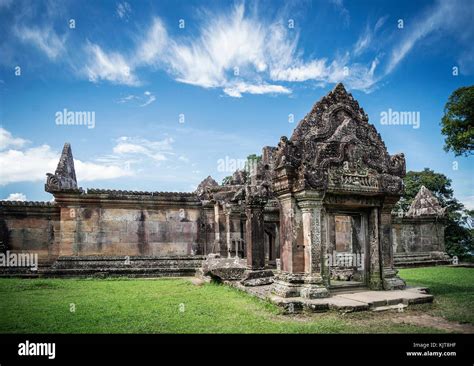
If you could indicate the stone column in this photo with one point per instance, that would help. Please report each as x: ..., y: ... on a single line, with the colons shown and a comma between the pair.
x: 227, y: 212
x: 390, y: 279
x: 217, y: 232
x: 314, y: 241
x: 205, y: 236
x: 303, y: 238
x: 375, y: 275
x: 255, y: 275
x: 255, y: 238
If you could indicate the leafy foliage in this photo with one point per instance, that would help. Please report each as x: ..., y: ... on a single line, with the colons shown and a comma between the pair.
x: 458, y: 122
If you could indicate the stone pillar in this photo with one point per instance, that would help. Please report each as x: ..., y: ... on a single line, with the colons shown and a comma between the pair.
x: 302, y: 243
x: 232, y: 229
x: 291, y: 251
x: 217, y: 233
x: 255, y: 275
x: 375, y: 276
x: 390, y: 279
x: 206, y: 237
x: 314, y: 241
x: 227, y: 212
x: 255, y: 238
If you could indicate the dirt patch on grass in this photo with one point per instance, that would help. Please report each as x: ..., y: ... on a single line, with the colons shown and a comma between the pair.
x: 424, y: 320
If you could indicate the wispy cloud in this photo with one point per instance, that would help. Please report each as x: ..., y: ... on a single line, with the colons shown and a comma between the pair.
x: 364, y: 42
x: 245, y: 52
x: 108, y: 66
x: 236, y: 90
x: 134, y: 146
x: 446, y: 16
x: 123, y: 10
x: 339, y: 4
x: 45, y: 39
x: 150, y: 98
x: 140, y: 100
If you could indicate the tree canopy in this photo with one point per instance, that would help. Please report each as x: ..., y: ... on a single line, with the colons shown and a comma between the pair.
x: 458, y: 122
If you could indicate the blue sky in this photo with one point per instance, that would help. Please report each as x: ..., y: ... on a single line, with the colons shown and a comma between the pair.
x: 178, y: 87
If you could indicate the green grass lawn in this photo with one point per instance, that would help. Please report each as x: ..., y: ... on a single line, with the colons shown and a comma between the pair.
x: 179, y: 306
x: 453, y: 288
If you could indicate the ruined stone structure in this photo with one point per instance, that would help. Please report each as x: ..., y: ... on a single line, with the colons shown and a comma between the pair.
x: 419, y: 234
x: 313, y: 214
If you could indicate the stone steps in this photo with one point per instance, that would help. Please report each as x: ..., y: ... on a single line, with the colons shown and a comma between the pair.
x: 356, y: 301
x: 347, y: 288
x: 421, y: 259
x: 113, y: 266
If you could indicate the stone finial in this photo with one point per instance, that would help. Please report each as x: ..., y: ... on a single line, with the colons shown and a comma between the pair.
x: 203, y: 187
x: 425, y: 204
x: 64, y: 177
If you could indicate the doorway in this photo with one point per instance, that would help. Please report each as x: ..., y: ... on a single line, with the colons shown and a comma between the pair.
x: 347, y: 249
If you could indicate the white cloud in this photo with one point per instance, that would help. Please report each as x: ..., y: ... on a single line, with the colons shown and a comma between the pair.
x: 446, y: 16
x: 16, y: 197
x: 237, y: 89
x: 89, y: 171
x: 32, y: 164
x: 133, y: 146
x: 45, y: 39
x: 143, y: 100
x: 123, y: 10
x: 28, y: 165
x: 150, y: 99
x: 314, y: 70
x: 365, y: 40
x: 108, y: 66
x: 240, y: 53
x: 7, y: 140
x: 153, y: 44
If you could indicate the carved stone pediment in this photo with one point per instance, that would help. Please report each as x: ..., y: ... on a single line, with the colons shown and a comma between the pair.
x: 334, y: 147
x: 203, y: 190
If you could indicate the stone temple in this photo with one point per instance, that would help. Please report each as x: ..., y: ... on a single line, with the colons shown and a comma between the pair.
x: 312, y: 215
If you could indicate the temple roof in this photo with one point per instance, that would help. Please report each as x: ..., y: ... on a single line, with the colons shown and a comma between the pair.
x: 425, y: 204
x: 335, y: 147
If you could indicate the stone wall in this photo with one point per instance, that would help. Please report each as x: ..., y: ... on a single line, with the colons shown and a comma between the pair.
x: 418, y: 234
x: 411, y: 235
x: 30, y: 227
x: 84, y: 233
x: 130, y: 224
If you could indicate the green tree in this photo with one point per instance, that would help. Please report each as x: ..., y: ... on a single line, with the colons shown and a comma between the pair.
x: 458, y: 122
x: 459, y: 234
x: 252, y: 161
